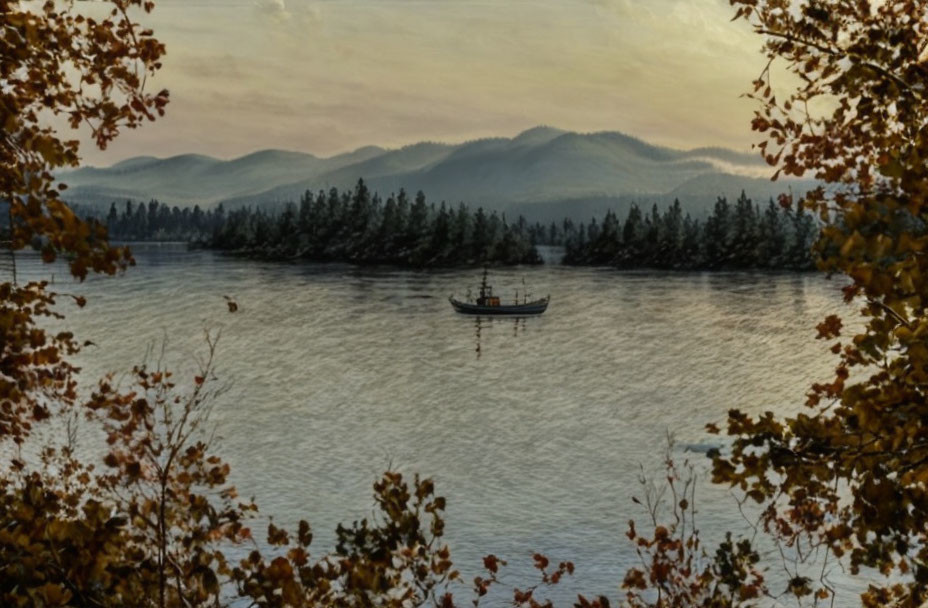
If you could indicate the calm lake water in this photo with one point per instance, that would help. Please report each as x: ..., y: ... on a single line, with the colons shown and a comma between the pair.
x: 339, y: 372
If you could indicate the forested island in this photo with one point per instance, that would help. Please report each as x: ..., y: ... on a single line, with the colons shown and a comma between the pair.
x: 360, y: 227
x: 737, y: 236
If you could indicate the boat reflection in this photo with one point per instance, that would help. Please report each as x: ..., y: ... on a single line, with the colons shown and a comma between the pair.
x: 518, y: 326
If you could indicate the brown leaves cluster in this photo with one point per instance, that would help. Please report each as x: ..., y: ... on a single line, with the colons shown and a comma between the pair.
x: 675, y: 569
x: 143, y: 529
x: 397, y: 559
x: 59, y: 535
x: 849, y: 476
x: 55, y: 59
x: 35, y: 377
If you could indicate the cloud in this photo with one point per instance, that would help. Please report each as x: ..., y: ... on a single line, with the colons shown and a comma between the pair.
x: 292, y: 17
x: 274, y: 8
x: 745, y: 170
x: 331, y: 75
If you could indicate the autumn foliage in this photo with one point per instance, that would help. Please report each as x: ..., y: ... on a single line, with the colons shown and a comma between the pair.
x: 676, y: 571
x: 55, y: 60
x: 848, y: 477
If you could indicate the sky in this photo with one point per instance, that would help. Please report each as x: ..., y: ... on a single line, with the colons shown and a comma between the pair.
x: 329, y: 76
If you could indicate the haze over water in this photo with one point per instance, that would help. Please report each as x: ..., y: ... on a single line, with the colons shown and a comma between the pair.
x: 339, y: 372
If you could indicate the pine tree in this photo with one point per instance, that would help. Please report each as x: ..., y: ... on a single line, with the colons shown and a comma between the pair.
x: 439, y: 248
x: 717, y: 231
x: 691, y: 255
x: 743, y: 248
x: 604, y: 247
x: 671, y: 237
x: 772, y: 237
x: 633, y: 234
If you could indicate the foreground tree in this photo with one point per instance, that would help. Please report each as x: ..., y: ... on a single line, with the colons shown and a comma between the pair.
x: 848, y: 477
x: 57, y: 539
x: 56, y: 60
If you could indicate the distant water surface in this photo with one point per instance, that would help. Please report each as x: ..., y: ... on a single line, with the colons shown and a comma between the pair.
x: 338, y: 372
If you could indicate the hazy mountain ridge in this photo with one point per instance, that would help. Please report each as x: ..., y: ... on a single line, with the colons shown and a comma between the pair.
x: 543, y: 170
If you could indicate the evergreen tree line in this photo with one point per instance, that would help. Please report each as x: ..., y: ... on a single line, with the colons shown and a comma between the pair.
x: 353, y: 226
x: 156, y: 221
x: 734, y: 236
x: 358, y: 226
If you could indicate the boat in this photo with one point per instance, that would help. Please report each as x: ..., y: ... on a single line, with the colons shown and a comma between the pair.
x: 489, y: 304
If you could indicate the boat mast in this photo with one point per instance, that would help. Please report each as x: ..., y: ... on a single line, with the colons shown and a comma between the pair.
x: 483, y: 284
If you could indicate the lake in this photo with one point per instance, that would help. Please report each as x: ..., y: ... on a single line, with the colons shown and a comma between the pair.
x: 337, y: 373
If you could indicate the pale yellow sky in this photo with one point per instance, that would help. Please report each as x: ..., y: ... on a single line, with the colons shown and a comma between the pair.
x: 328, y: 76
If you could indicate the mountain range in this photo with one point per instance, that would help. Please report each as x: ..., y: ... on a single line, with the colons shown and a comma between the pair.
x: 543, y: 173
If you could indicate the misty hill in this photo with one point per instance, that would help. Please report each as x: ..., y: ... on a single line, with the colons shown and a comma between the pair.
x: 193, y: 178
x: 542, y: 173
